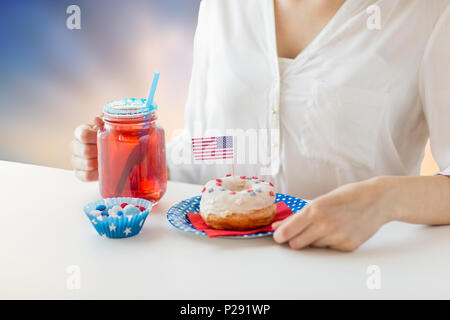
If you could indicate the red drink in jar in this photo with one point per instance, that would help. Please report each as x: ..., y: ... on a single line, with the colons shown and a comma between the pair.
x: 131, y: 151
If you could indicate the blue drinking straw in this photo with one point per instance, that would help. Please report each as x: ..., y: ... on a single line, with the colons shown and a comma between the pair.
x: 137, y: 155
x: 151, y: 94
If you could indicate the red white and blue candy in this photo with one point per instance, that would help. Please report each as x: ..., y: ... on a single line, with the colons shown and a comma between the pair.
x: 116, y: 211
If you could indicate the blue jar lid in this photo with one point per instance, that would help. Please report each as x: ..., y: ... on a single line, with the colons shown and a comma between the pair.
x: 129, y: 108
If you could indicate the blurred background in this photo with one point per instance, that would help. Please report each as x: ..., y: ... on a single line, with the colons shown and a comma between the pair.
x: 53, y: 78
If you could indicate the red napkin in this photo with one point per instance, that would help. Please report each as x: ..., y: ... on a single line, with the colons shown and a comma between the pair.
x: 282, y: 212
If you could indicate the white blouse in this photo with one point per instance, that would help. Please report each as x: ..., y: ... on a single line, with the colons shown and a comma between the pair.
x: 357, y: 102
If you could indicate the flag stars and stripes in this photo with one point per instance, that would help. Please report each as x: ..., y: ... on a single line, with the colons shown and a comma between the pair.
x: 213, y: 148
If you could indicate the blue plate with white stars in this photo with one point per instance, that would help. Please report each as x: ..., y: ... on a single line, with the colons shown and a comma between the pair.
x: 178, y: 218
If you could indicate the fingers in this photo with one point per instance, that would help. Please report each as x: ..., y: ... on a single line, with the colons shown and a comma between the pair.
x: 85, y: 169
x: 83, y: 150
x: 330, y: 240
x: 290, y: 227
x: 337, y: 242
x: 87, y: 175
x: 321, y: 243
x: 276, y: 224
x: 86, y: 134
x: 306, y: 238
x: 84, y: 164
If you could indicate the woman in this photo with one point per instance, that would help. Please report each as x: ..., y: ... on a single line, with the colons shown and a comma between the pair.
x: 347, y: 93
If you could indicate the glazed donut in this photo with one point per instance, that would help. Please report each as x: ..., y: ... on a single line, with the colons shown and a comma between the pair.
x: 238, y: 203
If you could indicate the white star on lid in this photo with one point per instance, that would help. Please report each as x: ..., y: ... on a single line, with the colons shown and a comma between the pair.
x: 112, y: 227
x: 127, y: 231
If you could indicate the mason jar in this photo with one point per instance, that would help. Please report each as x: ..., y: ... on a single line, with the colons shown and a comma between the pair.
x: 131, y: 151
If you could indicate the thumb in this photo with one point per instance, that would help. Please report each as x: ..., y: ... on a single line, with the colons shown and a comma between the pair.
x: 98, y: 122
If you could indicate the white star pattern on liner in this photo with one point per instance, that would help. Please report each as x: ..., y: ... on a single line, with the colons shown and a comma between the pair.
x: 112, y: 227
x: 93, y: 221
x: 127, y: 231
x: 129, y: 218
x: 140, y: 223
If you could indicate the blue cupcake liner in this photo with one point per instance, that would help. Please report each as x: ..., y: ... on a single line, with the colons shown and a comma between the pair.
x: 124, y: 226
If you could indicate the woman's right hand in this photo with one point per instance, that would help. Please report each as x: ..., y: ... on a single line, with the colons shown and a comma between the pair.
x: 84, y: 150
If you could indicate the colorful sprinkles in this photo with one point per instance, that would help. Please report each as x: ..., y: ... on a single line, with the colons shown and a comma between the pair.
x: 251, y: 192
x: 100, y: 207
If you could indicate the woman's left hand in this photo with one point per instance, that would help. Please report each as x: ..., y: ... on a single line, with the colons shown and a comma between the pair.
x: 342, y: 219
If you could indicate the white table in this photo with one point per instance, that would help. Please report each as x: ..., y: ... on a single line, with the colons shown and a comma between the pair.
x: 44, y: 231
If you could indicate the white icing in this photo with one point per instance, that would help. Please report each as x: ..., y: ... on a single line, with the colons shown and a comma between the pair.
x: 222, y: 203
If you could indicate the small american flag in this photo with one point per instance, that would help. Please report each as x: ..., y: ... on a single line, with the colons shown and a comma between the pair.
x: 213, y: 148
